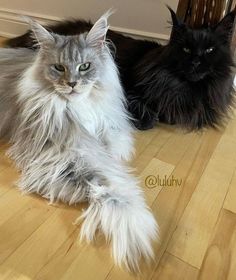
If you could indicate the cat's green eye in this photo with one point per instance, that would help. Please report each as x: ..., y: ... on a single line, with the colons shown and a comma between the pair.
x: 59, y: 67
x: 84, y: 66
x: 209, y: 50
x: 186, y: 50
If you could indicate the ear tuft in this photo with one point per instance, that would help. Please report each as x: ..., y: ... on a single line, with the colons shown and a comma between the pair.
x: 175, y: 20
x: 40, y: 33
x: 97, y: 35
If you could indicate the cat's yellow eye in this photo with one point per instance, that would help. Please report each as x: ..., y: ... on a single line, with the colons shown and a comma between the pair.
x: 59, y: 67
x: 209, y: 50
x: 186, y: 50
x: 84, y: 66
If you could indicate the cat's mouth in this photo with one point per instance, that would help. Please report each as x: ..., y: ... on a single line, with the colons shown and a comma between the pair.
x: 70, y: 91
x: 73, y: 92
x: 195, y: 77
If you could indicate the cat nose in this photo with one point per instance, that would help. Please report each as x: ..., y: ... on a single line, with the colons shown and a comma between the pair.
x: 196, y: 63
x: 71, y: 84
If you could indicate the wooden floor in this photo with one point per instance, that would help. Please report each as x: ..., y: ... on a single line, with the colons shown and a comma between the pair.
x: 197, y: 219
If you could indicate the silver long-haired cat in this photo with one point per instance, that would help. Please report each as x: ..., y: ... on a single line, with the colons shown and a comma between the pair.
x: 64, y: 111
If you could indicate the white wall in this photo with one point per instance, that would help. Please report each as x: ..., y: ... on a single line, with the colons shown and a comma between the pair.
x: 144, y: 17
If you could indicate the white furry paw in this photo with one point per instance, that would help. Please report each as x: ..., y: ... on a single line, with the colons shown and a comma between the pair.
x: 130, y: 229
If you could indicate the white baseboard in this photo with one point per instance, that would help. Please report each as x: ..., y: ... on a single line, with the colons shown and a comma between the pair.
x: 12, y: 24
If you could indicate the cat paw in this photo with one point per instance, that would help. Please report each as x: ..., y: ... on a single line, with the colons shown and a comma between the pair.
x: 145, y: 125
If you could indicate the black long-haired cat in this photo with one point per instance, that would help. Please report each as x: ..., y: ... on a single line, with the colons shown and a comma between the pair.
x: 187, y: 82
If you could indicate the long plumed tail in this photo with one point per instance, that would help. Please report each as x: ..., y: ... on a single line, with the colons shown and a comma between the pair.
x: 121, y: 213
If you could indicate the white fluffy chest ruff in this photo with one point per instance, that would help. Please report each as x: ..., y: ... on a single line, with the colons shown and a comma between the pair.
x: 100, y: 112
x: 91, y: 115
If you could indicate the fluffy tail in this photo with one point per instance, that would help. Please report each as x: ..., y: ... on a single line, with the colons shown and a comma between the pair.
x: 121, y: 213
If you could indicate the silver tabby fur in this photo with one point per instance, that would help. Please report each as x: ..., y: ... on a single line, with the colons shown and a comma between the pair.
x: 69, y: 142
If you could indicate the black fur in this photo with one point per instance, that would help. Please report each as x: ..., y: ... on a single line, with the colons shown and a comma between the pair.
x: 177, y: 84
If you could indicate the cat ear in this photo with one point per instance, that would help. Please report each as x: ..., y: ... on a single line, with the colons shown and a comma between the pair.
x: 97, y: 35
x: 225, y: 26
x: 40, y: 33
x: 175, y: 20
x: 178, y: 27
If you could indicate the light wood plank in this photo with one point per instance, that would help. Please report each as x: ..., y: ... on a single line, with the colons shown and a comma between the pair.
x: 5, y: 162
x: 97, y: 258
x: 175, y: 147
x: 57, y: 266
x: 8, y: 178
x: 191, y: 238
x: 10, y: 203
x: 143, y: 158
x: 37, y: 250
x: 172, y: 268
x: 21, y: 225
x: 230, y: 201
x: 143, y: 139
x: 220, y: 258
x: 155, y: 171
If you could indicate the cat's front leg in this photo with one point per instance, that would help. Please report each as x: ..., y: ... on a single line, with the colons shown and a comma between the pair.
x: 58, y: 182
x: 117, y: 208
x: 120, y: 143
x: 146, y: 122
x: 144, y: 117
